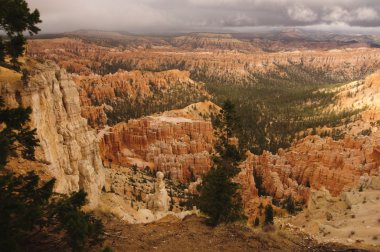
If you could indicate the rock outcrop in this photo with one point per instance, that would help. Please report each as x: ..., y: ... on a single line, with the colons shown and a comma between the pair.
x: 177, y: 146
x: 160, y: 200
x: 66, y: 144
x: 132, y: 84
x: 248, y: 187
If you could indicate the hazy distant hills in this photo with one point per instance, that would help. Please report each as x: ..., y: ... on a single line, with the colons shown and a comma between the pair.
x: 280, y: 40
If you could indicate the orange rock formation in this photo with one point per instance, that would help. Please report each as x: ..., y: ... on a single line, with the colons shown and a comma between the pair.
x: 85, y: 58
x: 317, y: 162
x: 175, y: 145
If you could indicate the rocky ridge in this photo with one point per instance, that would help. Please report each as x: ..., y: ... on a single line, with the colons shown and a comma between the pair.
x: 336, y: 65
x: 212, y: 41
x: 134, y: 94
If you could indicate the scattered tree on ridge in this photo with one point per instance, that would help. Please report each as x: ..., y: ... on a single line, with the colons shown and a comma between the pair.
x: 268, y: 215
x: 290, y: 204
x: 219, y: 196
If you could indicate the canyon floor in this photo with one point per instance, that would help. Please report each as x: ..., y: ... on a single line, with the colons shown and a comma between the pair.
x: 191, y: 234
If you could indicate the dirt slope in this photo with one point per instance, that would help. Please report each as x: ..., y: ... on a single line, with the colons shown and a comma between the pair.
x: 192, y: 235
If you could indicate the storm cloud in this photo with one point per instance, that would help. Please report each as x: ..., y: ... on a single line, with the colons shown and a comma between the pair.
x: 191, y: 15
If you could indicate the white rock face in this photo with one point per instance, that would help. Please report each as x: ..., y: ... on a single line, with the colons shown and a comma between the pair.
x: 350, y: 217
x: 160, y: 200
x: 374, y: 183
x: 66, y: 142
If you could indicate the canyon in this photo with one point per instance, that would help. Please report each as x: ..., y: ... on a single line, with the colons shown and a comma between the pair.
x: 154, y: 142
x: 311, y: 162
x: 310, y: 165
x: 109, y: 117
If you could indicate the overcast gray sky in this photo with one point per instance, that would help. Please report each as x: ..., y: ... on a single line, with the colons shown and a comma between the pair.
x: 213, y: 15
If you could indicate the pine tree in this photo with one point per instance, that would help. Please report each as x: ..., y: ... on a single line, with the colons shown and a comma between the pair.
x: 2, y: 50
x: 268, y: 215
x: 219, y: 195
x: 29, y: 210
x: 16, y: 135
x: 257, y: 222
x: 16, y: 18
x: 81, y: 229
x: 290, y: 205
x: 22, y: 207
x: 27, y: 206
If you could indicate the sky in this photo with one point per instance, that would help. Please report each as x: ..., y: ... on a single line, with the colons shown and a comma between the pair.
x: 155, y: 16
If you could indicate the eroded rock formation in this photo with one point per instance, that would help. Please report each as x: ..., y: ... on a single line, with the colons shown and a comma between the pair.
x: 66, y: 143
x: 133, y: 84
x: 159, y: 201
x: 124, y: 95
x: 316, y: 162
x: 230, y: 65
x: 178, y: 146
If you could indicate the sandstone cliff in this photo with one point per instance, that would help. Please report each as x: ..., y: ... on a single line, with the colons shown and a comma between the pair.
x: 66, y: 144
x: 132, y: 84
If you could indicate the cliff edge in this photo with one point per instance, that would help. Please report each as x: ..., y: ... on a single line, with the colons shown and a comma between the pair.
x: 67, y: 146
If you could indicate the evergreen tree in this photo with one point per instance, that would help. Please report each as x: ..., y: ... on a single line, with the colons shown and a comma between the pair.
x: 22, y: 207
x: 259, y: 184
x: 16, y: 135
x: 81, y: 229
x: 16, y: 18
x: 28, y: 210
x: 268, y: 215
x: 290, y: 205
x: 257, y: 222
x: 219, y: 195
